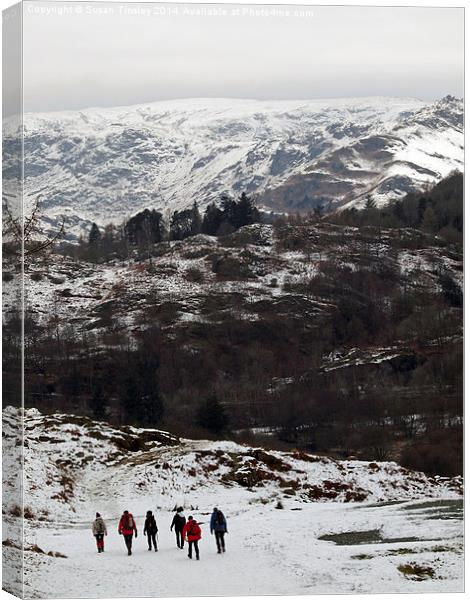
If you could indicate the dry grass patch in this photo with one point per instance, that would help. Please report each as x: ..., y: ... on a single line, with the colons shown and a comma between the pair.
x: 416, y: 572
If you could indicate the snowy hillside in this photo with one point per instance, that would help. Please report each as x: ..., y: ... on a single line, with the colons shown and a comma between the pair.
x: 106, y: 164
x: 328, y: 513
x: 205, y: 279
x: 73, y: 463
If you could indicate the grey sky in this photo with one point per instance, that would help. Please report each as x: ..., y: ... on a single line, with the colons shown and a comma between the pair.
x: 74, y: 59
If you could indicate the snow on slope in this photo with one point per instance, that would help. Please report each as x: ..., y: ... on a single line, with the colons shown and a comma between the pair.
x: 81, y: 293
x: 72, y: 464
x: 75, y: 466
x: 105, y: 164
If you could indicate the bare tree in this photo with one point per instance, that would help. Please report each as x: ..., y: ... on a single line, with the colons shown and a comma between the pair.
x: 26, y: 234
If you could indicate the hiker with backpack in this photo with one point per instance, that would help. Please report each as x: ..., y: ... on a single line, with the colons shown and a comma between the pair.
x: 127, y: 528
x: 192, y: 533
x: 179, y: 521
x: 99, y: 531
x: 219, y: 526
x: 150, y: 530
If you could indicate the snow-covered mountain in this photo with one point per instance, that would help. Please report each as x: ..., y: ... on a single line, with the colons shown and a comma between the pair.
x: 105, y: 164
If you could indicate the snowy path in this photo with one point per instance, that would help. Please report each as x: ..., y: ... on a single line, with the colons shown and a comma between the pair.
x: 268, y: 552
x: 166, y: 573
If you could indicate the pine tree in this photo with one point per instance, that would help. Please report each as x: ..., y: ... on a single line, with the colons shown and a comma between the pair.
x: 211, y: 415
x: 140, y: 392
x: 318, y: 211
x: 246, y: 212
x: 213, y: 218
x: 99, y: 403
x: 196, y: 220
x: 95, y: 235
x: 429, y: 222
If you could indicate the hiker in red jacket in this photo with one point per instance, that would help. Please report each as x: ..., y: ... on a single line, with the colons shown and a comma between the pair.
x: 192, y: 533
x: 127, y: 528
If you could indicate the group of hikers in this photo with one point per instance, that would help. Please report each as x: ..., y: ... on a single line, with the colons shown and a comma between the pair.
x: 186, y: 531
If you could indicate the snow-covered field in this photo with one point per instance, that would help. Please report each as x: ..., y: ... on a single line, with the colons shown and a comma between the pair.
x: 391, y: 528
x: 269, y: 551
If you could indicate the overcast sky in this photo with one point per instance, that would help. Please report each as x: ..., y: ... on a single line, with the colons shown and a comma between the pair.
x: 74, y: 59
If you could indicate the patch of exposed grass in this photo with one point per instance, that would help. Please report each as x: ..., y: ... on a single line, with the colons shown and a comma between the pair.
x: 362, y: 556
x: 380, y: 504
x: 452, y: 505
x: 416, y: 572
x: 400, y: 551
x: 372, y: 536
x: 401, y: 540
x: 38, y: 550
x: 438, y: 548
x: 353, y: 538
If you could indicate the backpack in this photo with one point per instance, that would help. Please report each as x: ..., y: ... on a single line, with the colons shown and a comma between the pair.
x: 219, y: 518
x: 130, y: 522
x: 194, y: 528
x: 99, y: 524
x: 151, y: 524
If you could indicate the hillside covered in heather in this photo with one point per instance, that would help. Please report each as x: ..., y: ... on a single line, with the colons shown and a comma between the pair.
x: 339, y: 334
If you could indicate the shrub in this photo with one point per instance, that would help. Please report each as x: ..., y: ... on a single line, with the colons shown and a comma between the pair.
x: 230, y: 267
x: 194, y: 275
x: 441, y: 454
x: 28, y: 513
x: 15, y: 511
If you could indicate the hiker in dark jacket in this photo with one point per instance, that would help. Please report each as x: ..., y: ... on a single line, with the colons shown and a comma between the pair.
x: 219, y: 527
x: 179, y: 521
x: 127, y: 528
x: 150, y: 530
x: 99, y: 531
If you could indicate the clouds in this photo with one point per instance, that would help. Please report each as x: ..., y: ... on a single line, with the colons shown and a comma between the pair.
x: 91, y: 54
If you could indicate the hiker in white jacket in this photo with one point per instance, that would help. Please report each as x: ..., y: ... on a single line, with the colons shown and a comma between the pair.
x: 99, y: 531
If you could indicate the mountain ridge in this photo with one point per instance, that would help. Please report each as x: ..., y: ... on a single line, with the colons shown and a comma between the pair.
x: 107, y: 164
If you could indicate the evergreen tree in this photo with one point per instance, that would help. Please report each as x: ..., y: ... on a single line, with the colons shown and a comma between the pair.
x: 429, y: 222
x: 196, y: 220
x: 145, y: 228
x: 213, y: 218
x: 318, y: 211
x: 94, y: 236
x: 451, y: 290
x: 246, y: 212
x: 98, y: 402
x: 211, y: 415
x: 140, y: 392
x: 181, y: 225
